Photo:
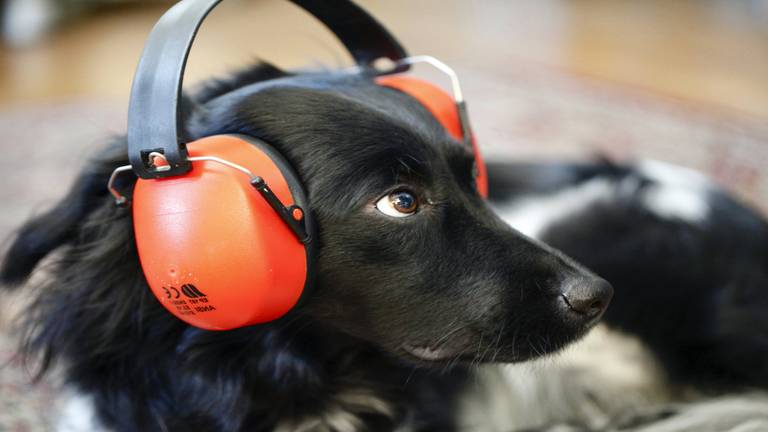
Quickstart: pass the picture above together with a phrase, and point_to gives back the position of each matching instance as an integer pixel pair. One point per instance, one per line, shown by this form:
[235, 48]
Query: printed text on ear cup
[195, 302]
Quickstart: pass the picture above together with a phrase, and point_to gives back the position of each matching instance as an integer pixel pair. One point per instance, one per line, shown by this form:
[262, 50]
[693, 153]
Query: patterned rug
[530, 113]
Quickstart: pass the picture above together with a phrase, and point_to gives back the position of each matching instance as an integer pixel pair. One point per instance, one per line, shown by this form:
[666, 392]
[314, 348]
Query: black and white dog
[420, 285]
[689, 320]
[691, 263]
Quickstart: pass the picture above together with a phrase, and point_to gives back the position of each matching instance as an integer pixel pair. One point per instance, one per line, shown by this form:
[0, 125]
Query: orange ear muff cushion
[443, 107]
[214, 253]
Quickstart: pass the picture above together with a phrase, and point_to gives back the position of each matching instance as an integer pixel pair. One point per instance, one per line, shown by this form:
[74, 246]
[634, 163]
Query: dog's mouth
[427, 353]
[456, 347]
[474, 346]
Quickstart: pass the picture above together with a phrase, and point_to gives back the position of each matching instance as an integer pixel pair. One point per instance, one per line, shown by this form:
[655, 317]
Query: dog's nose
[588, 296]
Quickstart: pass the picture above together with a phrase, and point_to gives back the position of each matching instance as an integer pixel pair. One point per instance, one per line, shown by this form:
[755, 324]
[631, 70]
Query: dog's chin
[455, 355]
[440, 350]
[430, 354]
[471, 348]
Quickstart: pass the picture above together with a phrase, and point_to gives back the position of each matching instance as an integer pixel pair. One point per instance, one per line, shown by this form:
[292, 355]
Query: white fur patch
[679, 193]
[342, 413]
[591, 382]
[78, 414]
[675, 193]
[531, 215]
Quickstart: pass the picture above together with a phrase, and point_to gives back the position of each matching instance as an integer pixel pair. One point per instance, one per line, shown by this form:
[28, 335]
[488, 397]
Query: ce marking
[168, 292]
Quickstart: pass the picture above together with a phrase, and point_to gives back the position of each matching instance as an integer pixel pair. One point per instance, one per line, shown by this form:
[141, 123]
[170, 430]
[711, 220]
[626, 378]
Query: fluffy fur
[690, 263]
[690, 267]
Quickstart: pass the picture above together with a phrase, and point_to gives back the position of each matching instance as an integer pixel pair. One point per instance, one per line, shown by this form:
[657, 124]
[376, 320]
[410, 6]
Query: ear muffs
[214, 251]
[443, 107]
[220, 247]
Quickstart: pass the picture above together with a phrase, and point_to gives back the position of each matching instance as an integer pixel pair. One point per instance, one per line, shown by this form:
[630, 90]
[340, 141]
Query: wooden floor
[712, 52]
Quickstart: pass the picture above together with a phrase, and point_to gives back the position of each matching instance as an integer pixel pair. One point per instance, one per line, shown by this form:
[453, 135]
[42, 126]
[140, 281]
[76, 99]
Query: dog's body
[682, 250]
[403, 308]
[690, 268]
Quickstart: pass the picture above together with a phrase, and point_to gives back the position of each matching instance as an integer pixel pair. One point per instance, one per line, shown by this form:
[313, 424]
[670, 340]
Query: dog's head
[411, 258]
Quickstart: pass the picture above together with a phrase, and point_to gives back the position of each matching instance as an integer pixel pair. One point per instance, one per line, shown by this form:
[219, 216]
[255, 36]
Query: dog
[684, 345]
[409, 322]
[417, 279]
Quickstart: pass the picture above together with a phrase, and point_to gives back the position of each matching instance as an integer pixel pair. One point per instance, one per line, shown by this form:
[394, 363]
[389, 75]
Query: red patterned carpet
[526, 113]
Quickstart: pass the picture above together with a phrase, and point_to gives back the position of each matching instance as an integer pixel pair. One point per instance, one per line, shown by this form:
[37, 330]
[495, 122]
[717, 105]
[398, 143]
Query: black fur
[452, 276]
[696, 293]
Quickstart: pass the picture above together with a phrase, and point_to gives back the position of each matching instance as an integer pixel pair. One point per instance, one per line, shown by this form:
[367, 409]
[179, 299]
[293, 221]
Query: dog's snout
[588, 296]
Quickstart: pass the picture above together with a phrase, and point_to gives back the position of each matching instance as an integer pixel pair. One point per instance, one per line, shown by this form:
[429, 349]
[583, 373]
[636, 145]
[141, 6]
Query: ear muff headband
[154, 120]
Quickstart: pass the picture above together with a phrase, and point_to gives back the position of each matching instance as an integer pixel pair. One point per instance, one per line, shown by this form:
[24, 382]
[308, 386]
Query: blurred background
[685, 81]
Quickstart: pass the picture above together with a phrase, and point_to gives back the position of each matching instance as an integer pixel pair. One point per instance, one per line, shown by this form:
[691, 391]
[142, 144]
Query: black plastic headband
[154, 121]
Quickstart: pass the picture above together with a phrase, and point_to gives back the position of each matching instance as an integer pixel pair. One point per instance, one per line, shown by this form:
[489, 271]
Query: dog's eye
[398, 204]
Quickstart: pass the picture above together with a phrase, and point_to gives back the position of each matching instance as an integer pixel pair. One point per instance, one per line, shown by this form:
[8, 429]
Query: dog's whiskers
[497, 344]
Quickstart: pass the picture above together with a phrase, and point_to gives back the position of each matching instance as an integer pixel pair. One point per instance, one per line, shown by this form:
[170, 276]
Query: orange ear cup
[214, 253]
[443, 107]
